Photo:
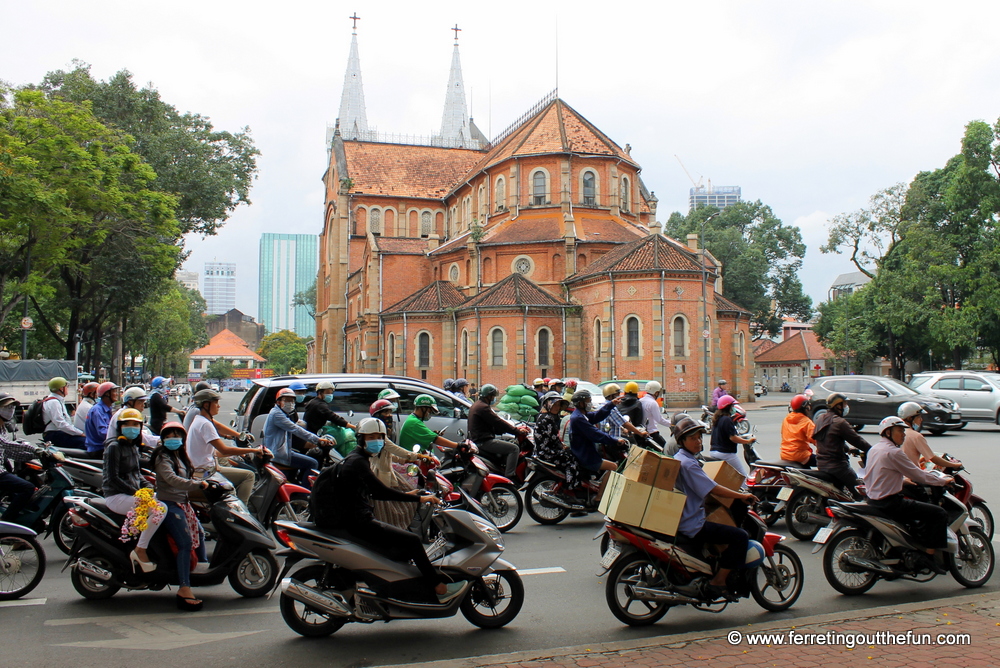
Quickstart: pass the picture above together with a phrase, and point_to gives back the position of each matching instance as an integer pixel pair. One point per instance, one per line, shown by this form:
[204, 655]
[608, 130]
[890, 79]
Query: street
[564, 600]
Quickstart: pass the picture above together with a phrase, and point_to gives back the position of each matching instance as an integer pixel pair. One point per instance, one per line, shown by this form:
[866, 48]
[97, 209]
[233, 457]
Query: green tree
[284, 351]
[219, 370]
[276, 340]
[307, 299]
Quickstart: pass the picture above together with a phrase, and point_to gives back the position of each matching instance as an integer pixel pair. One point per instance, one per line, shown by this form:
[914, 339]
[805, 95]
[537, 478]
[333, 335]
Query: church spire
[352, 119]
[455, 120]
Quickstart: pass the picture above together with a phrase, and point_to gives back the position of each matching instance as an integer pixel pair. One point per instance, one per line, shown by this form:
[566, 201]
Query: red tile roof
[437, 296]
[723, 304]
[227, 344]
[515, 290]
[401, 245]
[608, 230]
[400, 170]
[801, 347]
[654, 252]
[762, 346]
[537, 227]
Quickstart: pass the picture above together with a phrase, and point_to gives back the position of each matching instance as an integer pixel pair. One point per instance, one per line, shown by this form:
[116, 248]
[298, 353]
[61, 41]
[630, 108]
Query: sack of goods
[519, 402]
[346, 440]
[642, 492]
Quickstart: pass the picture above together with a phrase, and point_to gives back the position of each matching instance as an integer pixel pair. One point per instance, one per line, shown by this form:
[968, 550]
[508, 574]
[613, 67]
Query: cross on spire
[355, 19]
[457, 30]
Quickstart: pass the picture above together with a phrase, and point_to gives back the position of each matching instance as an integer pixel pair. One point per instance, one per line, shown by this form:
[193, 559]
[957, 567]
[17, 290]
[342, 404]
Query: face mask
[427, 416]
[287, 406]
[299, 398]
[7, 413]
[173, 443]
[395, 407]
[328, 398]
[131, 433]
[374, 447]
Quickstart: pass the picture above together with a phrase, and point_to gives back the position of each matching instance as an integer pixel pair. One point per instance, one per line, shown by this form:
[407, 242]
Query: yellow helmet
[631, 387]
[130, 414]
[611, 388]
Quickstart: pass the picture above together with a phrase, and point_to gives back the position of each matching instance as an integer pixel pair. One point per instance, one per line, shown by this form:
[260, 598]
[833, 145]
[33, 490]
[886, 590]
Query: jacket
[173, 480]
[584, 436]
[485, 424]
[343, 493]
[278, 431]
[796, 435]
[832, 433]
[383, 461]
[122, 474]
[318, 413]
[98, 420]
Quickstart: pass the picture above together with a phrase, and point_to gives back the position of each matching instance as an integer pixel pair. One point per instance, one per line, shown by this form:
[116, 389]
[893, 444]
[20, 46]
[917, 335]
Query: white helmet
[888, 423]
[908, 409]
[652, 387]
[371, 426]
[133, 393]
[324, 385]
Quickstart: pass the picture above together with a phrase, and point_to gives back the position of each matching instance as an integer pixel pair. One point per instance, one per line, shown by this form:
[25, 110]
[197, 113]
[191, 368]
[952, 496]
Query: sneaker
[453, 590]
[714, 591]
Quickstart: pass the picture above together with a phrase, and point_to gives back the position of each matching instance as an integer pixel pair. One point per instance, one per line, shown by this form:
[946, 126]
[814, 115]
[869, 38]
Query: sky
[809, 107]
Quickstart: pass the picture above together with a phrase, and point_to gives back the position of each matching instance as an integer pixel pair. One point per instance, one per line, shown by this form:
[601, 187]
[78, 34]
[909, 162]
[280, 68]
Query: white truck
[28, 380]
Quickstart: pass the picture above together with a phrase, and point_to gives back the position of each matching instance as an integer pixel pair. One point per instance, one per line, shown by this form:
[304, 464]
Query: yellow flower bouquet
[146, 507]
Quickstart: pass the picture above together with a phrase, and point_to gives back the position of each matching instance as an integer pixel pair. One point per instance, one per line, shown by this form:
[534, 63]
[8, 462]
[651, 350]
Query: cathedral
[533, 254]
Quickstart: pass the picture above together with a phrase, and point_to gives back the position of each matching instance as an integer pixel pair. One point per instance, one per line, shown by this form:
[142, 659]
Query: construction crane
[700, 177]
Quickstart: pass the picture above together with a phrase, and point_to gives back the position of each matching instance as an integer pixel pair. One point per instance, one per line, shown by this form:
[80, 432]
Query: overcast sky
[809, 107]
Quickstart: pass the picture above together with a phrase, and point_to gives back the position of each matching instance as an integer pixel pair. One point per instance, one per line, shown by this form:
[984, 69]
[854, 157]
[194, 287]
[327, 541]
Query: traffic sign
[27, 323]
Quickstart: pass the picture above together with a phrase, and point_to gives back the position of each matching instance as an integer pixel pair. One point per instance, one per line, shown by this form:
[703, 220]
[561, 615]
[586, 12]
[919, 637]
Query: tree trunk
[956, 358]
[893, 366]
[117, 358]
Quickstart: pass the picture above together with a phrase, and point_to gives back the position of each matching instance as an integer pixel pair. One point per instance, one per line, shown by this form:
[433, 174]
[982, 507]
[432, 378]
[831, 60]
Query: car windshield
[917, 381]
[896, 387]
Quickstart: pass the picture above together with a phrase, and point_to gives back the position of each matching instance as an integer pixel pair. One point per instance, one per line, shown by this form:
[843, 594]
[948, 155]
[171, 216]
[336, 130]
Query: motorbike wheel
[973, 566]
[743, 427]
[784, 578]
[300, 617]
[802, 502]
[846, 579]
[538, 512]
[506, 590]
[980, 513]
[635, 570]
[504, 506]
[63, 531]
[300, 506]
[22, 565]
[773, 515]
[255, 575]
[90, 588]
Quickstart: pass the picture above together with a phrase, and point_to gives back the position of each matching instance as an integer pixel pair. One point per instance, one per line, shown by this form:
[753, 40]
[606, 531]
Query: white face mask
[7, 412]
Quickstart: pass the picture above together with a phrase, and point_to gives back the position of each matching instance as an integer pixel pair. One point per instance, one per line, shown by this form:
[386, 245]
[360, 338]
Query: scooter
[739, 416]
[345, 580]
[497, 494]
[962, 489]
[807, 498]
[100, 560]
[274, 498]
[22, 561]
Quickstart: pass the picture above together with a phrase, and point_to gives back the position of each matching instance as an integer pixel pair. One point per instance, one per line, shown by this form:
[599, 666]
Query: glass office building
[220, 287]
[288, 264]
[717, 196]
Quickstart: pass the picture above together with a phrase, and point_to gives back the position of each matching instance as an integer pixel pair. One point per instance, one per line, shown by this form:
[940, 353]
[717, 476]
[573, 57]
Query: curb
[694, 636]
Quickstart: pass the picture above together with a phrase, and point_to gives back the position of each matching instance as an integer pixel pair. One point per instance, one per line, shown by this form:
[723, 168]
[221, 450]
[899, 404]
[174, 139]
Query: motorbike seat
[101, 505]
[824, 476]
[343, 534]
[782, 463]
[73, 453]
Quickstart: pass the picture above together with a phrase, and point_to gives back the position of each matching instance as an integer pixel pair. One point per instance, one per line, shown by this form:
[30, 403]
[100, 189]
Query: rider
[133, 397]
[159, 405]
[724, 435]
[319, 411]
[123, 478]
[887, 467]
[342, 499]
[279, 430]
[88, 397]
[415, 432]
[485, 425]
[652, 414]
[391, 512]
[100, 417]
[832, 434]
[797, 442]
[718, 393]
[694, 483]
[17, 490]
[631, 405]
[461, 388]
[383, 409]
[915, 446]
[539, 387]
[615, 423]
[556, 385]
[549, 446]
[59, 429]
[204, 442]
[584, 436]
[392, 395]
[193, 411]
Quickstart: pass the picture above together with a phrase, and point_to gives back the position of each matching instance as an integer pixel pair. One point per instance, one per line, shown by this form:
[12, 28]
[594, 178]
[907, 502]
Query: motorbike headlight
[490, 531]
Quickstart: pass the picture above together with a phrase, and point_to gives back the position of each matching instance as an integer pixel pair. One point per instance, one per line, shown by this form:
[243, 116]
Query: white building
[220, 287]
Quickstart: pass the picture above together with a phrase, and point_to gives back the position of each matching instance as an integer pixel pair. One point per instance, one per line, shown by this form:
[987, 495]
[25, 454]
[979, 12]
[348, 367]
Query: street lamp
[706, 325]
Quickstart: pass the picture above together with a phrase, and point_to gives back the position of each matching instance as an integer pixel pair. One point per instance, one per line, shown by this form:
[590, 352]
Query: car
[977, 393]
[353, 394]
[872, 398]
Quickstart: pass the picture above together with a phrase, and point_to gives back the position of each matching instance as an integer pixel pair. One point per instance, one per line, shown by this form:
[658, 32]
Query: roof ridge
[605, 139]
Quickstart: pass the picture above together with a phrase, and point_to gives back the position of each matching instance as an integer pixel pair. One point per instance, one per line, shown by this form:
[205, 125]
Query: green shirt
[415, 432]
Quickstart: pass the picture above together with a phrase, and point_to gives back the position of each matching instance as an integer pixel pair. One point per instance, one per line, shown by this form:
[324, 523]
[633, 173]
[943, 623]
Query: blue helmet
[297, 386]
[158, 381]
[755, 555]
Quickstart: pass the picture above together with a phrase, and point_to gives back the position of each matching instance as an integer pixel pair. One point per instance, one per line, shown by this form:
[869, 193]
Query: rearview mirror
[458, 413]
[416, 448]
[883, 393]
[350, 413]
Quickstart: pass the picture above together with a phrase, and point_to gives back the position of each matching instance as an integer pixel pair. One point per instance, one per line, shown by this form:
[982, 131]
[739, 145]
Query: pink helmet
[725, 401]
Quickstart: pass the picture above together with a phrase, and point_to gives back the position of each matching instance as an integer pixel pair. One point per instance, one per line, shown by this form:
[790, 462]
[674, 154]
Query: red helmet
[104, 388]
[725, 401]
[546, 380]
[173, 425]
[798, 401]
[379, 406]
[570, 384]
[89, 388]
[285, 392]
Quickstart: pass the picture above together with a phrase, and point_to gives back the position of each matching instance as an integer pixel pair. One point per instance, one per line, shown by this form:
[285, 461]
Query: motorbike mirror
[350, 413]
[412, 470]
[416, 448]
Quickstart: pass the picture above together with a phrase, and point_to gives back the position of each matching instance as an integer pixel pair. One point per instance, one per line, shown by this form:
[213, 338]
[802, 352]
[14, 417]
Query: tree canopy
[285, 351]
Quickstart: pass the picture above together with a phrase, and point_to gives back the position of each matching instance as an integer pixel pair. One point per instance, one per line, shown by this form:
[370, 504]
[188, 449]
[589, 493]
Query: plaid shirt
[18, 451]
[614, 424]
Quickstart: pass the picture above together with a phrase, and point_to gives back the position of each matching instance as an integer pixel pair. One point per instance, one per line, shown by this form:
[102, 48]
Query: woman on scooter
[392, 512]
[725, 437]
[797, 442]
[548, 445]
[173, 482]
[123, 478]
[696, 485]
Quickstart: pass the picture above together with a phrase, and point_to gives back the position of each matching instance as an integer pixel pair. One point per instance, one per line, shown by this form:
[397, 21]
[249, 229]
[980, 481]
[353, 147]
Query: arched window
[390, 348]
[465, 348]
[425, 224]
[467, 213]
[501, 194]
[625, 204]
[598, 338]
[484, 206]
[544, 337]
[423, 349]
[538, 189]
[375, 221]
[589, 189]
[496, 347]
[741, 347]
[680, 336]
[632, 336]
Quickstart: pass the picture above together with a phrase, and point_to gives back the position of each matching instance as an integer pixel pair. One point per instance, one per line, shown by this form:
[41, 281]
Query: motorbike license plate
[784, 493]
[822, 535]
[956, 417]
[610, 555]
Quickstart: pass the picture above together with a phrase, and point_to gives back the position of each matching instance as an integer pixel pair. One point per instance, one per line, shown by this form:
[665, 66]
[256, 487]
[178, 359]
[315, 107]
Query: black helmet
[835, 399]
[202, 385]
[549, 397]
[687, 425]
[676, 420]
[581, 396]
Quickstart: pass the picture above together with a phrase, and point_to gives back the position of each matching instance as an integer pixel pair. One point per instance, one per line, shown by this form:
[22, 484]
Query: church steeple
[352, 119]
[455, 120]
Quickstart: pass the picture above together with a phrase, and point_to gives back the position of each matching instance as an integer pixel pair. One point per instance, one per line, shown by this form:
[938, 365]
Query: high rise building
[718, 196]
[189, 279]
[288, 264]
[220, 287]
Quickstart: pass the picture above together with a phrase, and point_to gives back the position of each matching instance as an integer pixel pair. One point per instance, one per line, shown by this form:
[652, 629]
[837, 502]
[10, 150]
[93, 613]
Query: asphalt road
[564, 604]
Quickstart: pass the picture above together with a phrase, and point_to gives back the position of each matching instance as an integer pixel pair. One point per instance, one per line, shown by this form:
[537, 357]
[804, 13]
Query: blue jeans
[61, 439]
[19, 493]
[304, 464]
[176, 523]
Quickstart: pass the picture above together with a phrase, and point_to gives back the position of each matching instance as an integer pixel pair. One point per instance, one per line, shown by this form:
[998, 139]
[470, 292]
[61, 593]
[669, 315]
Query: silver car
[977, 393]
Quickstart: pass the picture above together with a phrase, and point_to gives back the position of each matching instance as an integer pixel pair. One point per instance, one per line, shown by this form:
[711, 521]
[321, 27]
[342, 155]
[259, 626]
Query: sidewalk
[977, 615]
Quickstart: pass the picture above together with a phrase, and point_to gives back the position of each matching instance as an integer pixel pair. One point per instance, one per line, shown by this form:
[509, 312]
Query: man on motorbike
[414, 430]
[159, 405]
[461, 388]
[342, 499]
[203, 442]
[832, 434]
[278, 432]
[133, 397]
[549, 446]
[100, 417]
[225, 431]
[725, 438]
[88, 397]
[319, 412]
[652, 414]
[887, 468]
[485, 426]
[556, 385]
[695, 484]
[631, 405]
[539, 387]
[616, 423]
[17, 490]
[719, 392]
[59, 429]
[915, 446]
[585, 437]
[797, 440]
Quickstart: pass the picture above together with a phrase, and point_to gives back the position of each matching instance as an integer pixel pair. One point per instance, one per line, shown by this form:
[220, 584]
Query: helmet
[202, 385]
[556, 381]
[6, 399]
[687, 425]
[722, 381]
[387, 393]
[798, 401]
[549, 397]
[57, 383]
[133, 393]
[755, 555]
[538, 381]
[909, 408]
[652, 387]
[449, 384]
[371, 426]
[888, 423]
[425, 400]
[631, 387]
[156, 382]
[571, 384]
[726, 401]
[104, 388]
[285, 392]
[89, 389]
[547, 381]
[173, 425]
[460, 383]
[580, 396]
[297, 386]
[487, 390]
[379, 406]
[324, 385]
[610, 388]
[203, 396]
[130, 414]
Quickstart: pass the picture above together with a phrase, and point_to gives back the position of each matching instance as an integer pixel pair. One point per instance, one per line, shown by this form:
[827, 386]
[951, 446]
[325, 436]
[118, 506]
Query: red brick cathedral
[535, 254]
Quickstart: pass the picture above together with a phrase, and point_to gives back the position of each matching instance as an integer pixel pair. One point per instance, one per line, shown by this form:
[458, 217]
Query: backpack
[323, 509]
[33, 421]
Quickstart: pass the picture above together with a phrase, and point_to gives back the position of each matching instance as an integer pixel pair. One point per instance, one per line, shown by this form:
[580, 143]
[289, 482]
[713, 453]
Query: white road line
[24, 601]
[540, 571]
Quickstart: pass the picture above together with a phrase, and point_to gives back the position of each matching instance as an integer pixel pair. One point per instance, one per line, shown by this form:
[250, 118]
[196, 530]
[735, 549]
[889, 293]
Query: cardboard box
[614, 480]
[666, 474]
[641, 465]
[723, 473]
[663, 511]
[627, 500]
[720, 516]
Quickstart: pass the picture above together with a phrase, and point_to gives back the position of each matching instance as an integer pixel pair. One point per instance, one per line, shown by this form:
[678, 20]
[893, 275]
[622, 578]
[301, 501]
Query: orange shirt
[796, 436]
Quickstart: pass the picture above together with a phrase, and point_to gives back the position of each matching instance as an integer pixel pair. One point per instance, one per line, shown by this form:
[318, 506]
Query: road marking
[540, 571]
[23, 601]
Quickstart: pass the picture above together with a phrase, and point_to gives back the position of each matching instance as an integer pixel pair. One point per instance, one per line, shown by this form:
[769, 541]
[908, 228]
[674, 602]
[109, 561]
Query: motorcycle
[766, 481]
[807, 498]
[864, 545]
[525, 441]
[975, 503]
[22, 561]
[347, 581]
[274, 498]
[739, 416]
[497, 494]
[650, 573]
[550, 500]
[100, 560]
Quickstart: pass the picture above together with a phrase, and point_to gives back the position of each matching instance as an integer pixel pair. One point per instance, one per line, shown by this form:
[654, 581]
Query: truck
[27, 380]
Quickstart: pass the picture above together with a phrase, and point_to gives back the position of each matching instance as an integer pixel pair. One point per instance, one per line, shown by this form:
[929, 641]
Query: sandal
[189, 604]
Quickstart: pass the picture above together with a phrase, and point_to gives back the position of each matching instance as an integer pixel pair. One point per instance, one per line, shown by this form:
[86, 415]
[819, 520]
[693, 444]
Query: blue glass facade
[288, 264]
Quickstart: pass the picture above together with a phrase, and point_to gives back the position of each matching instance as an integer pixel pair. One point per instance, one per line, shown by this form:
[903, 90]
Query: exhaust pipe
[332, 604]
[659, 595]
[93, 570]
[550, 500]
[868, 565]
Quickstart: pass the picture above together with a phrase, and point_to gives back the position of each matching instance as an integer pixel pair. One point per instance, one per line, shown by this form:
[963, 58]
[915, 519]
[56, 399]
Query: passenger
[59, 429]
[99, 417]
[797, 442]
[725, 437]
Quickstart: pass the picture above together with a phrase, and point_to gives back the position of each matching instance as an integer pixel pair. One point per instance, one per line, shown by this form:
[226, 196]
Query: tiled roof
[452, 244]
[654, 252]
[608, 229]
[401, 245]
[515, 290]
[400, 170]
[723, 304]
[227, 344]
[528, 227]
[802, 347]
[762, 346]
[437, 296]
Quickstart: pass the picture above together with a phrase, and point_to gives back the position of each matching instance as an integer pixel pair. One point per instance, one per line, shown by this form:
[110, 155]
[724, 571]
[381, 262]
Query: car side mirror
[457, 412]
[350, 413]
[883, 393]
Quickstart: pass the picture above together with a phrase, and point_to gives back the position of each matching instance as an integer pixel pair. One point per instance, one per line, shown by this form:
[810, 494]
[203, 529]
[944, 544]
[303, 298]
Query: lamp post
[706, 324]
